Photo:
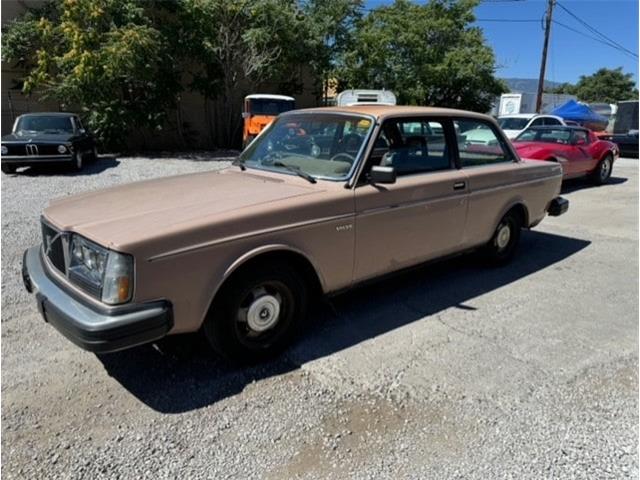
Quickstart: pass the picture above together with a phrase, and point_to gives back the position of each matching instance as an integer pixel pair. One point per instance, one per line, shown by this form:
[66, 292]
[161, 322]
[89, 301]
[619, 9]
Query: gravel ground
[452, 371]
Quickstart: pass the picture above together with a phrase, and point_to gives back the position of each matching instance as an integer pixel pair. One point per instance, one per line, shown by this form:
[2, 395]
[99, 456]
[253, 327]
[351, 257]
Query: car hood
[511, 134]
[124, 216]
[38, 137]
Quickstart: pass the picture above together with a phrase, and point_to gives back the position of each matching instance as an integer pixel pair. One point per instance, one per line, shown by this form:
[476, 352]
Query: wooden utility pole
[543, 64]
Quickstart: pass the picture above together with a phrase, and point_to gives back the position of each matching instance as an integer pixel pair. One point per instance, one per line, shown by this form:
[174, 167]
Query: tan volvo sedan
[322, 200]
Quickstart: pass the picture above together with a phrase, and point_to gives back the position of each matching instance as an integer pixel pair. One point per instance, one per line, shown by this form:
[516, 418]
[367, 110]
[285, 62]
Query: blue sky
[518, 45]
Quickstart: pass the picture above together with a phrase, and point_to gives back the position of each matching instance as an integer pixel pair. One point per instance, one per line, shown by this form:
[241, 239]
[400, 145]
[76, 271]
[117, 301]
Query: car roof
[380, 111]
[268, 96]
[558, 127]
[528, 115]
[48, 114]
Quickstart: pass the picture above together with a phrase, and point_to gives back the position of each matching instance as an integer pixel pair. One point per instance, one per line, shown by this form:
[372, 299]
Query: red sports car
[578, 150]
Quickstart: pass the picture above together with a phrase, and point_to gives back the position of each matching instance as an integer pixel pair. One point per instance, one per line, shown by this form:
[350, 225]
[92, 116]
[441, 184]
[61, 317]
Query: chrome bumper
[97, 329]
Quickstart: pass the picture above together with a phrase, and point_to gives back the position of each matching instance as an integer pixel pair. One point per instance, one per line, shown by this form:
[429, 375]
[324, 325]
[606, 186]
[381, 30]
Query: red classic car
[578, 150]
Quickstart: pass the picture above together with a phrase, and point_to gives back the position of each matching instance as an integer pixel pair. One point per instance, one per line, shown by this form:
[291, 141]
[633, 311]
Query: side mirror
[382, 174]
[580, 141]
[82, 131]
[245, 114]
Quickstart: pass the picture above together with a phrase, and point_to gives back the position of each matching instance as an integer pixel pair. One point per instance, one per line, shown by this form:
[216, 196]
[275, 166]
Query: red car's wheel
[602, 173]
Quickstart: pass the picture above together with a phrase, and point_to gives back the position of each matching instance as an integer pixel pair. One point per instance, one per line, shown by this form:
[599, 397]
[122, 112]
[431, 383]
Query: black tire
[8, 169]
[249, 297]
[602, 173]
[77, 162]
[503, 244]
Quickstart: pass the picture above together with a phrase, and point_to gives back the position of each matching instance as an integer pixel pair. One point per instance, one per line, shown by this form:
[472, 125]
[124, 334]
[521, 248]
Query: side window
[537, 122]
[478, 144]
[580, 137]
[78, 123]
[551, 121]
[415, 146]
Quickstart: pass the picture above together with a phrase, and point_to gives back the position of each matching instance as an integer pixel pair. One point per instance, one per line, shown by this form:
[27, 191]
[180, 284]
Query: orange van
[259, 111]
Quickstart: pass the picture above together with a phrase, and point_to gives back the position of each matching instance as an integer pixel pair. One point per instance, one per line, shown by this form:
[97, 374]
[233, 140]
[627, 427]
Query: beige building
[191, 112]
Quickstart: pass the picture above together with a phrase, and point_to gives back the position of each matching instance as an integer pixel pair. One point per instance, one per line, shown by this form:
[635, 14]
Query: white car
[514, 125]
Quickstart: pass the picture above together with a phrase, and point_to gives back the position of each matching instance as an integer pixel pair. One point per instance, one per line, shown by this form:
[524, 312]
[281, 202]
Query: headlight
[62, 148]
[5, 150]
[106, 274]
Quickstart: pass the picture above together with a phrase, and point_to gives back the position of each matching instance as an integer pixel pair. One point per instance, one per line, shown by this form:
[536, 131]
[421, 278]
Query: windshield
[323, 145]
[512, 123]
[266, 106]
[44, 124]
[547, 135]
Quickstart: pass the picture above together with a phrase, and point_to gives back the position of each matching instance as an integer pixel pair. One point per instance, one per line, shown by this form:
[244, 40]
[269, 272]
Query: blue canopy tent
[582, 114]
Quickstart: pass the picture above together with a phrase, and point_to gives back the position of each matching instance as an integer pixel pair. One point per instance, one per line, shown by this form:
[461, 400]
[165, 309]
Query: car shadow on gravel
[181, 374]
[575, 184]
[104, 162]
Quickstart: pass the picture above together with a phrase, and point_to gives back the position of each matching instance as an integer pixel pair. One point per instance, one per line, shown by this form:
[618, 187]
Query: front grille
[52, 242]
[33, 149]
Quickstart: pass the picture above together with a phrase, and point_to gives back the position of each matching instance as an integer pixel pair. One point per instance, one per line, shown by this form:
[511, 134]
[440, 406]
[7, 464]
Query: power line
[508, 20]
[596, 31]
[594, 38]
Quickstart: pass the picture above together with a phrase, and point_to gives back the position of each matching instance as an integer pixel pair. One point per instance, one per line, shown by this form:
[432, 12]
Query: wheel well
[522, 212]
[298, 261]
[552, 159]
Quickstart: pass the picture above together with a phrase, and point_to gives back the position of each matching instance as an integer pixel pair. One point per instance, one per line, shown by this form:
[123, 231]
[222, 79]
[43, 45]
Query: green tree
[233, 48]
[428, 54]
[606, 85]
[102, 56]
[330, 28]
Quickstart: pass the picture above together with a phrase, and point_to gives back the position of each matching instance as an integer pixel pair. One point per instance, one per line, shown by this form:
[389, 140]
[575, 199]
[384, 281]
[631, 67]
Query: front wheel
[502, 246]
[77, 162]
[257, 313]
[602, 173]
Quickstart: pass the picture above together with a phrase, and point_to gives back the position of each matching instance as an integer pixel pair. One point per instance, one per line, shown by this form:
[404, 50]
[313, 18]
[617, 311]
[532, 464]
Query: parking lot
[450, 371]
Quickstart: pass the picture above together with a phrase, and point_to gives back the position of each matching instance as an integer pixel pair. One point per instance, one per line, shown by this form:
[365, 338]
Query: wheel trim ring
[604, 169]
[261, 340]
[503, 236]
[263, 314]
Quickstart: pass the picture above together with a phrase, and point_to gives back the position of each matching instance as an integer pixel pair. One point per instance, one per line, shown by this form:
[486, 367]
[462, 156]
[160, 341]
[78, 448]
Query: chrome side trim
[255, 233]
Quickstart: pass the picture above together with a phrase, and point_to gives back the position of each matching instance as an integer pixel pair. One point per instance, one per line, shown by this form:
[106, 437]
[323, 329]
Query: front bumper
[558, 206]
[98, 329]
[34, 159]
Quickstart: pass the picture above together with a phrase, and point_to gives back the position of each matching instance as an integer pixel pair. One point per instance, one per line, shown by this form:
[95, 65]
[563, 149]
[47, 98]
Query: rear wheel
[8, 168]
[257, 313]
[502, 246]
[602, 173]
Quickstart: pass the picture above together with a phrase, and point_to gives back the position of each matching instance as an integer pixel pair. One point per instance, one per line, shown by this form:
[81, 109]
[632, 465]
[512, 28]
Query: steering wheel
[339, 156]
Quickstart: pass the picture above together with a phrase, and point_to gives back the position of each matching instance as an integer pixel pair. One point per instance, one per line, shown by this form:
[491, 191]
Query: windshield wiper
[297, 170]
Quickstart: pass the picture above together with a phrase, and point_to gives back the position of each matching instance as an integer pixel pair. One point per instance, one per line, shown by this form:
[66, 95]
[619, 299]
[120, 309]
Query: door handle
[459, 185]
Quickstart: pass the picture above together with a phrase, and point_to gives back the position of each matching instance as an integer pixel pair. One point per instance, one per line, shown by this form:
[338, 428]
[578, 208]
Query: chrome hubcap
[263, 312]
[503, 236]
[604, 169]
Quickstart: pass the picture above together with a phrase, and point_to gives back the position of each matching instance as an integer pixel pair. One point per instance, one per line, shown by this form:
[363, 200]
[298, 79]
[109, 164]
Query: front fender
[255, 252]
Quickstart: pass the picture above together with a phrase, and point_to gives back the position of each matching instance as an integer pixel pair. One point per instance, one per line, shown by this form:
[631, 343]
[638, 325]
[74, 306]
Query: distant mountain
[527, 85]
